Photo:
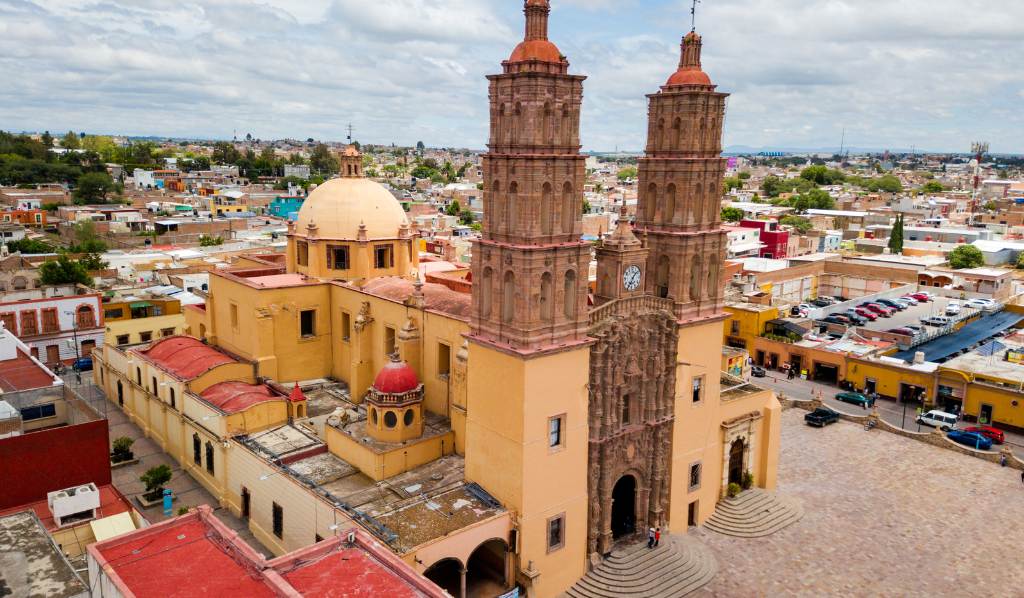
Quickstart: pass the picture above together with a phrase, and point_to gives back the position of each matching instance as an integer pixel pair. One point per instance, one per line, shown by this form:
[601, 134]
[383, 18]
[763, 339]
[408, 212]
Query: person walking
[657, 536]
[650, 537]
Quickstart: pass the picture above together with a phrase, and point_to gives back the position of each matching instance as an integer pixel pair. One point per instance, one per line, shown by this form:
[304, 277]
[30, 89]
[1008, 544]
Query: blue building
[286, 206]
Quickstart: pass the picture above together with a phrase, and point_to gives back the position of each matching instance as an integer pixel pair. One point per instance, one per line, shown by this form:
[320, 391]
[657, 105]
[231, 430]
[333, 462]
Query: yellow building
[746, 322]
[140, 318]
[505, 436]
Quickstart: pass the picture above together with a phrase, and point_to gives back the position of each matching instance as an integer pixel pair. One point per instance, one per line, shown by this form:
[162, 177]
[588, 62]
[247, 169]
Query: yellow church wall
[383, 465]
[258, 417]
[511, 401]
[134, 328]
[459, 545]
[228, 372]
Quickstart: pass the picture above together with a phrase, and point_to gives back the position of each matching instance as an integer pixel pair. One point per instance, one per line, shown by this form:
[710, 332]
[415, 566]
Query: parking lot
[884, 516]
[910, 316]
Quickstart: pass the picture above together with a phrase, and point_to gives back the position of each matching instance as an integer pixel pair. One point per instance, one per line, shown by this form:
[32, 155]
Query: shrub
[183, 511]
[748, 480]
[154, 479]
[733, 490]
[122, 450]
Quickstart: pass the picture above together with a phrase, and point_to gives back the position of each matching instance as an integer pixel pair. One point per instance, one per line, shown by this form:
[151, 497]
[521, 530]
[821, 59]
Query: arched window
[570, 294]
[669, 214]
[698, 202]
[568, 208]
[661, 134]
[486, 290]
[650, 202]
[712, 290]
[508, 298]
[197, 450]
[566, 128]
[695, 278]
[546, 207]
[512, 212]
[86, 317]
[546, 313]
[661, 277]
[494, 206]
[549, 124]
[677, 134]
[209, 457]
[516, 122]
[138, 376]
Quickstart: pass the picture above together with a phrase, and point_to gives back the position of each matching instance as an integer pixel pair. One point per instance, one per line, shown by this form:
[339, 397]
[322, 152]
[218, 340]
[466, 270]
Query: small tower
[351, 162]
[621, 263]
[296, 403]
[394, 404]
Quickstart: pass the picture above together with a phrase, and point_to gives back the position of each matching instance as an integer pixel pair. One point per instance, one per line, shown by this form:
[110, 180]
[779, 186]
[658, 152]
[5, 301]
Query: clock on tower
[631, 278]
[620, 264]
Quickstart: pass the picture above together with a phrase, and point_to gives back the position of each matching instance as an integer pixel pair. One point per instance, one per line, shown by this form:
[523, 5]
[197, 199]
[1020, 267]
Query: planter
[145, 503]
[123, 463]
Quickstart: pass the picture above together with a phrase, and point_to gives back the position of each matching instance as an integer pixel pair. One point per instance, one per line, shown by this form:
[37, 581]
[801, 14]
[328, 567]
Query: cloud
[931, 73]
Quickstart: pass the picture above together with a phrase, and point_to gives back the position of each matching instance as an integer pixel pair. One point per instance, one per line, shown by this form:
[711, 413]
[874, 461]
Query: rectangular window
[555, 436]
[29, 323]
[307, 323]
[209, 457]
[625, 409]
[694, 476]
[337, 257]
[38, 412]
[122, 339]
[735, 327]
[167, 332]
[234, 316]
[10, 322]
[174, 400]
[556, 532]
[113, 314]
[698, 389]
[278, 513]
[444, 360]
[389, 340]
[156, 388]
[346, 326]
[145, 337]
[302, 253]
[383, 257]
[50, 323]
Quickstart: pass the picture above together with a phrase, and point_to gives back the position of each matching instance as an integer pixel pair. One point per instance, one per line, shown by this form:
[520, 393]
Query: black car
[854, 317]
[841, 320]
[821, 417]
[757, 371]
[892, 304]
[821, 302]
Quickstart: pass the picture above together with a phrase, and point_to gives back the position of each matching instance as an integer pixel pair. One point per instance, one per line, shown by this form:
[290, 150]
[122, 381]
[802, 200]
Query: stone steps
[754, 514]
[676, 568]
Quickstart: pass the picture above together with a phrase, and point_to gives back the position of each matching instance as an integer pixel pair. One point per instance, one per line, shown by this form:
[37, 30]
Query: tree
[86, 239]
[466, 216]
[933, 187]
[730, 183]
[801, 225]
[889, 183]
[966, 256]
[63, 270]
[1020, 261]
[629, 172]
[896, 237]
[154, 479]
[586, 207]
[991, 206]
[29, 246]
[47, 139]
[815, 199]
[122, 450]
[70, 141]
[420, 147]
[321, 160]
[772, 186]
[93, 187]
[744, 175]
[822, 175]
[92, 262]
[732, 214]
[454, 209]
[206, 241]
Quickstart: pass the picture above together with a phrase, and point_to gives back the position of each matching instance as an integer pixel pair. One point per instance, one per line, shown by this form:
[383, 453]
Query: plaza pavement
[885, 516]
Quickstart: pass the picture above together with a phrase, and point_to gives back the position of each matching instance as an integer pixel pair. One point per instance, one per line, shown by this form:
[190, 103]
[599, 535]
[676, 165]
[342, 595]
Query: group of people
[653, 537]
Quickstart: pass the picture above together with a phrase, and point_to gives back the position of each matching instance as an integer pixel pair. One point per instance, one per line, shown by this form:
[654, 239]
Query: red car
[994, 434]
[921, 297]
[881, 310]
[866, 313]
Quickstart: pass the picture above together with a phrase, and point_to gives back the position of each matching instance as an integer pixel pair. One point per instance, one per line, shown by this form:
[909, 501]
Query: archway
[446, 573]
[736, 461]
[485, 569]
[624, 507]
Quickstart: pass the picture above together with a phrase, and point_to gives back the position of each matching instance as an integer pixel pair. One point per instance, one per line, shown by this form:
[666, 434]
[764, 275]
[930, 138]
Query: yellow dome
[339, 206]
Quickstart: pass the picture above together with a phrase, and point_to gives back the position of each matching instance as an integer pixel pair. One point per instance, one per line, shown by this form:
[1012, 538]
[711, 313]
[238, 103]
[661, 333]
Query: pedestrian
[1022, 477]
[657, 536]
[1002, 462]
[650, 534]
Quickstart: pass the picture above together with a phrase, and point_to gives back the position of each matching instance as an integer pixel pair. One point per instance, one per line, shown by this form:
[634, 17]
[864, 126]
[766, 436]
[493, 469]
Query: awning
[140, 304]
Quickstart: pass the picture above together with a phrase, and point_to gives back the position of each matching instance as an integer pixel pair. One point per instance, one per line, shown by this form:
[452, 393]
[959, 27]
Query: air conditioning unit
[73, 505]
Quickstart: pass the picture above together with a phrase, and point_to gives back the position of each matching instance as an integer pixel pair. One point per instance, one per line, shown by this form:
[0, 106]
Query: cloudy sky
[935, 74]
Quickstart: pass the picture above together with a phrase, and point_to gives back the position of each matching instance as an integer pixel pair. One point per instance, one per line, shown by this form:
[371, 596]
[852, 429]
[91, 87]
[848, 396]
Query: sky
[930, 74]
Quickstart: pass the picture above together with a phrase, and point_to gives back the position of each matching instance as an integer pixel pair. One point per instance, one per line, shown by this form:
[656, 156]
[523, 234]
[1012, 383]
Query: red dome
[536, 49]
[396, 378]
[689, 76]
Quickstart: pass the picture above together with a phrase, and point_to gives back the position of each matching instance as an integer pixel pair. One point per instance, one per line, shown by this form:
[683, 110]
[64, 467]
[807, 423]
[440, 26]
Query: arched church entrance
[736, 461]
[485, 570]
[446, 573]
[624, 507]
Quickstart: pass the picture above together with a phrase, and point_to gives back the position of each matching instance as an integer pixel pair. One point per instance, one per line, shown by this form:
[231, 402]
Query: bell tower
[527, 411]
[621, 262]
[680, 183]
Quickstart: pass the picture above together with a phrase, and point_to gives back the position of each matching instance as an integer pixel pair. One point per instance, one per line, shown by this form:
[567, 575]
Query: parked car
[892, 304]
[884, 311]
[916, 329]
[757, 371]
[855, 318]
[836, 319]
[903, 301]
[923, 297]
[938, 419]
[994, 434]
[82, 364]
[952, 308]
[866, 313]
[939, 321]
[823, 301]
[971, 439]
[910, 299]
[854, 398]
[821, 417]
[981, 303]
[903, 331]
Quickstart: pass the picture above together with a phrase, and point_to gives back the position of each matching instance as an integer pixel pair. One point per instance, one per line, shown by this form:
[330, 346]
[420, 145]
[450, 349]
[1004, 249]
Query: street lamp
[74, 330]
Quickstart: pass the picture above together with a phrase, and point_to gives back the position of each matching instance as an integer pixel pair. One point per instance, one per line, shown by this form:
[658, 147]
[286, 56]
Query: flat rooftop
[31, 565]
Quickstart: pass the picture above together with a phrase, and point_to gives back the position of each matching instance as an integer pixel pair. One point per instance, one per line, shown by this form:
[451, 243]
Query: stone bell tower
[680, 189]
[621, 262]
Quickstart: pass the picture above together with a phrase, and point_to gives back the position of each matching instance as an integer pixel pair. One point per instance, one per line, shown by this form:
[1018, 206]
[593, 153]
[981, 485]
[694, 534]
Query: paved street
[932, 522]
[891, 411]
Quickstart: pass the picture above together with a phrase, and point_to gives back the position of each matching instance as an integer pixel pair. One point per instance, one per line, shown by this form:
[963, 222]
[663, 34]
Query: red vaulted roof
[438, 297]
[397, 377]
[184, 356]
[232, 397]
[689, 76]
[536, 49]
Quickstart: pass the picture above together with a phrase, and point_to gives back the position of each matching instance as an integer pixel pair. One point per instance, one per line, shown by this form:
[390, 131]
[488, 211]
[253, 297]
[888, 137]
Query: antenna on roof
[693, 15]
[350, 133]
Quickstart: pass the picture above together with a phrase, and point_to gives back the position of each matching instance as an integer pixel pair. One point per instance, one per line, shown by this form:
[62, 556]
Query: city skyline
[408, 70]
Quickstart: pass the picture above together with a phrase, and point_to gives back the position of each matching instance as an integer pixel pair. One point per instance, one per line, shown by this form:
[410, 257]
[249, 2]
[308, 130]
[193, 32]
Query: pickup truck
[821, 417]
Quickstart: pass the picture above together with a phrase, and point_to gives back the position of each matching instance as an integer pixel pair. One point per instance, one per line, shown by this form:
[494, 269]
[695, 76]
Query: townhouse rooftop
[31, 564]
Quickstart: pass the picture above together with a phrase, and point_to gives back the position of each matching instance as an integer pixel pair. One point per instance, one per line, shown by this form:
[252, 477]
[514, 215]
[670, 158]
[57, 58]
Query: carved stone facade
[632, 410]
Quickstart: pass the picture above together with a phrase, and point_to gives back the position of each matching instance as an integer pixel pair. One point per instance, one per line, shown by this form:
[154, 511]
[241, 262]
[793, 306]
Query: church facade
[576, 413]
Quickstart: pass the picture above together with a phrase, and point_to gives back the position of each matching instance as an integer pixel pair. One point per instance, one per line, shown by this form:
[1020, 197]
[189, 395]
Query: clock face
[631, 278]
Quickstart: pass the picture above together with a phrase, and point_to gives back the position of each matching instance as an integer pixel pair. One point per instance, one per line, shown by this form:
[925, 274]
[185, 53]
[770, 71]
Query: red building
[35, 218]
[775, 241]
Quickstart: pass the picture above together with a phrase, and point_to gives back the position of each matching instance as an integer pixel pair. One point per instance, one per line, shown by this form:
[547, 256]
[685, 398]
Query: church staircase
[754, 513]
[676, 568]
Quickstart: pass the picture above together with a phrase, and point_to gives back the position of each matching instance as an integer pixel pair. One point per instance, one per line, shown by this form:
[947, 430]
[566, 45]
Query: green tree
[730, 183]
[466, 216]
[966, 256]
[896, 237]
[93, 187]
[155, 478]
[86, 239]
[70, 141]
[629, 172]
[63, 270]
[207, 241]
[732, 214]
[29, 246]
[801, 225]
[322, 160]
[586, 207]
[1020, 261]
[772, 186]
[420, 147]
[822, 175]
[933, 187]
[454, 209]
[889, 183]
[991, 206]
[815, 199]
[92, 262]
[47, 139]
[744, 175]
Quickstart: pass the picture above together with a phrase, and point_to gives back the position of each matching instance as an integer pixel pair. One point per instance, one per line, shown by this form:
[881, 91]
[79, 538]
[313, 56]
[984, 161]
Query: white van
[938, 419]
[939, 321]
